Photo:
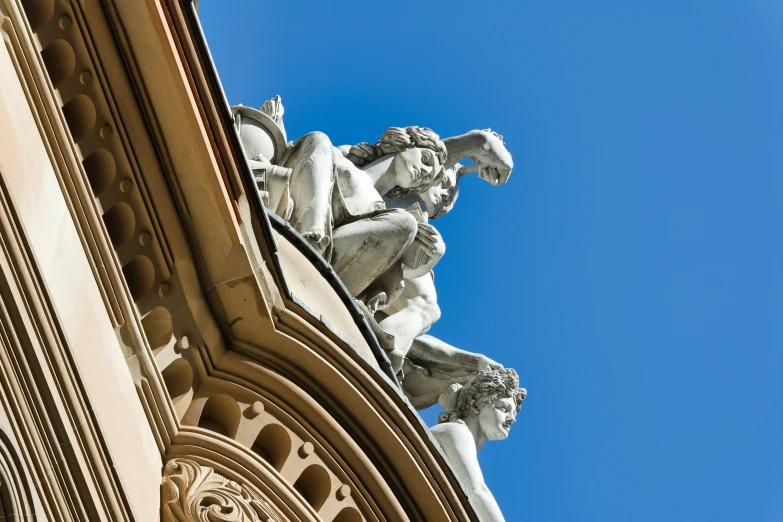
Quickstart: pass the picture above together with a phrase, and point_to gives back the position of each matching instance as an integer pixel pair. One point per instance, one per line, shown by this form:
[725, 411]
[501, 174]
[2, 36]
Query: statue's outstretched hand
[485, 364]
[493, 160]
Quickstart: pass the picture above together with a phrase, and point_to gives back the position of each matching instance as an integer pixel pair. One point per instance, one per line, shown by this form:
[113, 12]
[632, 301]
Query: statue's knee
[317, 140]
[312, 154]
[403, 223]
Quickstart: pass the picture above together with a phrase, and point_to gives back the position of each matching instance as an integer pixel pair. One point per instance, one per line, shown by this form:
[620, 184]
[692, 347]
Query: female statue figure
[482, 410]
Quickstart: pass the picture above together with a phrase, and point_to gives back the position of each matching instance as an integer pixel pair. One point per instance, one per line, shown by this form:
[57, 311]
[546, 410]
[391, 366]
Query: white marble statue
[416, 309]
[335, 201]
[482, 410]
[366, 209]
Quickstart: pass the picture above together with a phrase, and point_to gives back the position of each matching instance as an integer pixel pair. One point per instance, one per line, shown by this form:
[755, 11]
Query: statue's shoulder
[452, 434]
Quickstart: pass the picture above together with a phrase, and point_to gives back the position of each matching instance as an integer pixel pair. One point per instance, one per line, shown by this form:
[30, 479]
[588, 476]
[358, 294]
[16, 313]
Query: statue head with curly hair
[488, 403]
[419, 149]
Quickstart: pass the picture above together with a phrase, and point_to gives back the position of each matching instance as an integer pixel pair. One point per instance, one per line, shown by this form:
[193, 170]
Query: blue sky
[631, 270]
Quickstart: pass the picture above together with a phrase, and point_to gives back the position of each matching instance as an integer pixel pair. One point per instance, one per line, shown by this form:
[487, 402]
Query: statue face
[497, 417]
[415, 167]
[439, 196]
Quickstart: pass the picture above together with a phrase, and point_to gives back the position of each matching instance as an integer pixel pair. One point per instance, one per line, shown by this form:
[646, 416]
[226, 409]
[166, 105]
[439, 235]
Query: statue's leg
[366, 248]
[312, 159]
[412, 314]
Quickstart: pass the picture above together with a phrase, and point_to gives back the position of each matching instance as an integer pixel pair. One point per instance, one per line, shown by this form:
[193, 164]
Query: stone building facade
[168, 350]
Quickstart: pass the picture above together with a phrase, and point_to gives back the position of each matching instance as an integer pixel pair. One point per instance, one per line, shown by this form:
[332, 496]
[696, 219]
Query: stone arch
[178, 377]
[101, 170]
[348, 514]
[221, 414]
[242, 467]
[140, 275]
[273, 444]
[191, 491]
[314, 485]
[158, 328]
[38, 12]
[15, 493]
[120, 223]
[60, 61]
[80, 115]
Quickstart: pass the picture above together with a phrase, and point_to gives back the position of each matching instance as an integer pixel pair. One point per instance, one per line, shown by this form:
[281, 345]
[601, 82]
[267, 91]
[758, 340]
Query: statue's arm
[433, 365]
[460, 448]
[429, 349]
[487, 149]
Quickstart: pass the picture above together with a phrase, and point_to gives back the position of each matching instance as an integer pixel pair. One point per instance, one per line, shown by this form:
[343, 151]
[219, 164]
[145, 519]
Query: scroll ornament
[194, 493]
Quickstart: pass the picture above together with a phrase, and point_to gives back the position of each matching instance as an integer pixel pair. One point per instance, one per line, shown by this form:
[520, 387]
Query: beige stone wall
[30, 174]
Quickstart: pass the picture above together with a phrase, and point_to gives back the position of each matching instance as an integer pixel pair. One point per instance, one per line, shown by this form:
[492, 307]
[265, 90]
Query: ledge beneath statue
[313, 285]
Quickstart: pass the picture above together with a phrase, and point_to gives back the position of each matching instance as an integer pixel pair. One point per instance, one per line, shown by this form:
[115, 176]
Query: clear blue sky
[631, 270]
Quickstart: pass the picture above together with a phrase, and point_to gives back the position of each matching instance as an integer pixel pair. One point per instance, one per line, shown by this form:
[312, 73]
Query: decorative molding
[194, 493]
[16, 497]
[66, 454]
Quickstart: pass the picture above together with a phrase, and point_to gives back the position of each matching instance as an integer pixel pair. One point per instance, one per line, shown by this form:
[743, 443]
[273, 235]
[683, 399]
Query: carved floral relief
[194, 493]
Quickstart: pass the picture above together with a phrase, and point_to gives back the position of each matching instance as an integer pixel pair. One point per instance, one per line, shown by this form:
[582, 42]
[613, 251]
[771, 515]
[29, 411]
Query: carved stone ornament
[194, 493]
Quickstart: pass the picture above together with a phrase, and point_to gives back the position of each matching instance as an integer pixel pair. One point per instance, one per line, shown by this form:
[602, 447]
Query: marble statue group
[367, 209]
